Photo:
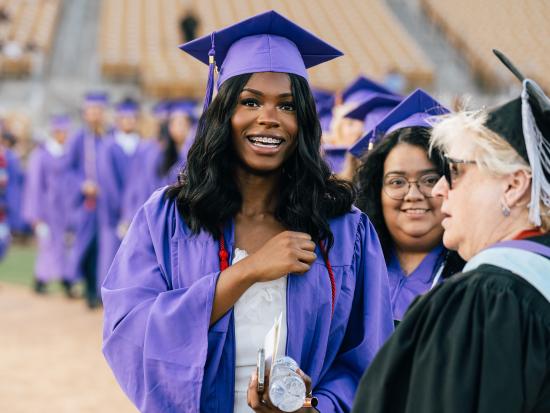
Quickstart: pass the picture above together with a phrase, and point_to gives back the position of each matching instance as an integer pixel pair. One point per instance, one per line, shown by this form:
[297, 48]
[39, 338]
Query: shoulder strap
[532, 267]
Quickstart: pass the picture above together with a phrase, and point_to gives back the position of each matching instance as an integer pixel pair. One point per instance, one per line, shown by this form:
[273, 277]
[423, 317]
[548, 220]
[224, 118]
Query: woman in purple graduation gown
[159, 162]
[45, 207]
[182, 325]
[395, 183]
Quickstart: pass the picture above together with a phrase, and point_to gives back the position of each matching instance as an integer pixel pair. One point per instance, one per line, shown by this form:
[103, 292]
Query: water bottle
[287, 390]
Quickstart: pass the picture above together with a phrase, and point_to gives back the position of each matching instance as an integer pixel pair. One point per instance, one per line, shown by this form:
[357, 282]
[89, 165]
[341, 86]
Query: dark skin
[265, 111]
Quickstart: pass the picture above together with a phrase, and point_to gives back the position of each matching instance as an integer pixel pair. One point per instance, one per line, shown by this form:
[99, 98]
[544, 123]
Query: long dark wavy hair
[170, 153]
[369, 179]
[207, 194]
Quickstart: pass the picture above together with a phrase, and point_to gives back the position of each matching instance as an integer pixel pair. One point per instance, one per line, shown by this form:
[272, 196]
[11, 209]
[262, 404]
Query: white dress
[254, 313]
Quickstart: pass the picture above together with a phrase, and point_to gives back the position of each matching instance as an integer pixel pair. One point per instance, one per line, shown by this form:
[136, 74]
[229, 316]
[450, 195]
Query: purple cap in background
[362, 89]
[414, 110]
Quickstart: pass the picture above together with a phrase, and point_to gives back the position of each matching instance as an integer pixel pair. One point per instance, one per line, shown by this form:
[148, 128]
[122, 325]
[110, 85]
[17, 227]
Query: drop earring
[504, 208]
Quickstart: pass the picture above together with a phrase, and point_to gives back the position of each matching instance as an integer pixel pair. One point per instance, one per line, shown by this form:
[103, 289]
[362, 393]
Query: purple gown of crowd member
[159, 293]
[15, 185]
[10, 190]
[90, 162]
[45, 205]
[357, 95]
[115, 157]
[150, 157]
[405, 288]
[412, 111]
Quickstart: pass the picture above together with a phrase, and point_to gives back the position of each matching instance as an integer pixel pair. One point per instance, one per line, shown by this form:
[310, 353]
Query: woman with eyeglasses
[395, 189]
[480, 342]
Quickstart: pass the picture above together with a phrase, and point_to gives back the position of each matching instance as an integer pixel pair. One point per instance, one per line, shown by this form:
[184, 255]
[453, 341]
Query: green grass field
[18, 265]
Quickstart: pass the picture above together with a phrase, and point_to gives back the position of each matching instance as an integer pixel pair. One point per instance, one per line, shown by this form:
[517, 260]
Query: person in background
[87, 170]
[159, 163]
[395, 182]
[371, 111]
[182, 326]
[189, 24]
[324, 102]
[479, 341]
[10, 190]
[161, 113]
[344, 130]
[116, 156]
[45, 207]
[15, 182]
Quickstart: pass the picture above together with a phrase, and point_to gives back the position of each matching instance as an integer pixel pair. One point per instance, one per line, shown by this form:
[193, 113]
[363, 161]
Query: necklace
[224, 264]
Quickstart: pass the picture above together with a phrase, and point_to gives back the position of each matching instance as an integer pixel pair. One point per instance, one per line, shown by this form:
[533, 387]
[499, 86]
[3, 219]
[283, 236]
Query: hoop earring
[504, 208]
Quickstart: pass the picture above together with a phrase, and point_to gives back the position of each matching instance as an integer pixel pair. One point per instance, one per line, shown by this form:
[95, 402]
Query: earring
[504, 208]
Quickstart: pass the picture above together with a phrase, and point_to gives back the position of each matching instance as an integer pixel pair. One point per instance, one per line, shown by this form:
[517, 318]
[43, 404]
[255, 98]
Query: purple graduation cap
[161, 110]
[96, 98]
[60, 122]
[185, 107]
[373, 109]
[128, 107]
[267, 42]
[363, 88]
[414, 110]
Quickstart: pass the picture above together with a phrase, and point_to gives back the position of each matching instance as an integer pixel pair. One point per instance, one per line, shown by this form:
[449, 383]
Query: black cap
[507, 120]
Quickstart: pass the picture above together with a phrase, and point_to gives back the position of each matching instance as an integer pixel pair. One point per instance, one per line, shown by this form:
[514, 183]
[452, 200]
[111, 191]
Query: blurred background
[53, 51]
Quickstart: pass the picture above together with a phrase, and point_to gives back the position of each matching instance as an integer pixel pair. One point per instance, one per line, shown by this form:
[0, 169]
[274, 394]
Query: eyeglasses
[451, 170]
[397, 187]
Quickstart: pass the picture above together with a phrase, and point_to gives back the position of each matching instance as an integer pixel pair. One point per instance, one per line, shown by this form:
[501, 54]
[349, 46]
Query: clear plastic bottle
[287, 390]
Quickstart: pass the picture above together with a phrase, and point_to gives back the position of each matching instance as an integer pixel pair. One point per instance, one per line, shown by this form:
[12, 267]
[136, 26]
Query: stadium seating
[140, 38]
[27, 29]
[520, 29]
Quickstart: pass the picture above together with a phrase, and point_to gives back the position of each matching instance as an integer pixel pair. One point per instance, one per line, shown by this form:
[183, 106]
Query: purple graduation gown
[158, 299]
[14, 191]
[404, 289]
[335, 156]
[10, 193]
[144, 176]
[45, 201]
[94, 158]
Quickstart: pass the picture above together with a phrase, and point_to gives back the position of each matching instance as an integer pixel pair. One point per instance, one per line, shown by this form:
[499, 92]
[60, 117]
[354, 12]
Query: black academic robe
[479, 342]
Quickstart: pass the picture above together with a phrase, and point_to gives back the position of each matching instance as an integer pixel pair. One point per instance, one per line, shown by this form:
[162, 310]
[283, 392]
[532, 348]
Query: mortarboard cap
[127, 107]
[61, 122]
[185, 107]
[323, 99]
[96, 98]
[361, 89]
[414, 110]
[524, 123]
[267, 42]
[161, 110]
[373, 109]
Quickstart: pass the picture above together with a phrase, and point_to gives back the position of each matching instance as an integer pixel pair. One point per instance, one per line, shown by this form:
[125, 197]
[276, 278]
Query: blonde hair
[490, 152]
[338, 118]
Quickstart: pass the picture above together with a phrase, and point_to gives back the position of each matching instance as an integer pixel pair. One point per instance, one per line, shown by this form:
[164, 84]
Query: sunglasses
[451, 170]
